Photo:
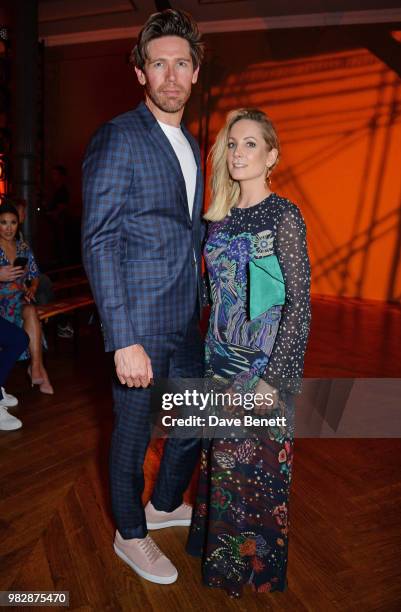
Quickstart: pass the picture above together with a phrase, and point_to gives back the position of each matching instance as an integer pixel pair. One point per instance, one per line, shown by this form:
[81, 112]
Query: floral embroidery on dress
[12, 293]
[240, 525]
[264, 244]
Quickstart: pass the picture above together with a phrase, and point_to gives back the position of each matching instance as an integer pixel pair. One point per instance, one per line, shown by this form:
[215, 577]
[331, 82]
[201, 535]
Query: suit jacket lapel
[198, 188]
[163, 143]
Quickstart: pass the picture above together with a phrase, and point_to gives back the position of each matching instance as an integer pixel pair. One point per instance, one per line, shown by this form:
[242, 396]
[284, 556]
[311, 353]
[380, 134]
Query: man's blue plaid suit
[138, 250]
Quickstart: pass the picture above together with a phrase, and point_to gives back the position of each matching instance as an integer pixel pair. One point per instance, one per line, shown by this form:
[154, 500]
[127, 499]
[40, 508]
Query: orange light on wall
[3, 177]
[337, 116]
[4, 140]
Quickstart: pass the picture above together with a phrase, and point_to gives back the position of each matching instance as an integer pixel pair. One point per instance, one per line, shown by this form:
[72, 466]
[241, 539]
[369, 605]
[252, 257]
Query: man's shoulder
[131, 126]
[130, 120]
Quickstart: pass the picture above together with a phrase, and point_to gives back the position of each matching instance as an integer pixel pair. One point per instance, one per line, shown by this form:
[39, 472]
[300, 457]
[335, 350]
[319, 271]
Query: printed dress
[12, 293]
[240, 524]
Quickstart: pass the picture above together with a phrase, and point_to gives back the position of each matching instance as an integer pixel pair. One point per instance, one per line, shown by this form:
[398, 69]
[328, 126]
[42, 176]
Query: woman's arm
[32, 275]
[30, 291]
[285, 367]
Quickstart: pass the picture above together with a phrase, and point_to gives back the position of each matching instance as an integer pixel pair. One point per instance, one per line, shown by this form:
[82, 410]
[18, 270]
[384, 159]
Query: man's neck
[173, 119]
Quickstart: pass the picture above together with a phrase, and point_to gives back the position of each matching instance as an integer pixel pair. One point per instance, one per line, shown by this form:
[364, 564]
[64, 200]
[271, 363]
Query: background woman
[240, 522]
[18, 285]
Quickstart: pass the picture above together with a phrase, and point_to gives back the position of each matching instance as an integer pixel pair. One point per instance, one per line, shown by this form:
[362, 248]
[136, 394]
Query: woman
[256, 341]
[18, 285]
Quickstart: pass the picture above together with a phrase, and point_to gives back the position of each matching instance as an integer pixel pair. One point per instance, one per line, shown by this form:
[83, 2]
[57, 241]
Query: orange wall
[334, 105]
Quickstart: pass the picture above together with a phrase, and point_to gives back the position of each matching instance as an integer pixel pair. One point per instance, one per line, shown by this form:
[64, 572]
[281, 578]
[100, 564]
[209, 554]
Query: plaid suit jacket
[138, 239]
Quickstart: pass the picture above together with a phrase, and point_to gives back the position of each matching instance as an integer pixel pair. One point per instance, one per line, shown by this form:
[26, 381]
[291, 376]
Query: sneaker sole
[142, 573]
[172, 523]
[13, 428]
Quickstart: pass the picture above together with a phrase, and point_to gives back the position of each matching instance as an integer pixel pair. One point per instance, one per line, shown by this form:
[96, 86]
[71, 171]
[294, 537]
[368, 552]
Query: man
[60, 198]
[141, 248]
[57, 213]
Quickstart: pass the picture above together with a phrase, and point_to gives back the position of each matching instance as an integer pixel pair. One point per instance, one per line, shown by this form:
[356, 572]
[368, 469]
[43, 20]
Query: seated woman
[16, 296]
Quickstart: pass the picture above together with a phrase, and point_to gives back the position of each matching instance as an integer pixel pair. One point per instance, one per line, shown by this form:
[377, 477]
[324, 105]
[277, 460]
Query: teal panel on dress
[267, 287]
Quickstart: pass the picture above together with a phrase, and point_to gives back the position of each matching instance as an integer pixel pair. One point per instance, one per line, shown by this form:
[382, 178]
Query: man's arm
[107, 175]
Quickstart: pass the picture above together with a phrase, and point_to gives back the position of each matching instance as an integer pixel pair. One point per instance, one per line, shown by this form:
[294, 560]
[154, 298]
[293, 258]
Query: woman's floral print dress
[240, 524]
[12, 293]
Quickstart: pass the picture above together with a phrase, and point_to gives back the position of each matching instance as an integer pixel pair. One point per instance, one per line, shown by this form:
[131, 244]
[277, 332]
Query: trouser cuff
[133, 532]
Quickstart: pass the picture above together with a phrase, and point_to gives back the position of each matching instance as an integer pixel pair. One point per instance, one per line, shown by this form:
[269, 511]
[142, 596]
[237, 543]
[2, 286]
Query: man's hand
[10, 273]
[133, 366]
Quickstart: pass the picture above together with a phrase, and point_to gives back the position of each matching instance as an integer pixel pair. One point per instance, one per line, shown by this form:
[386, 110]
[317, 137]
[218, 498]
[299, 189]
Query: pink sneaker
[157, 519]
[146, 559]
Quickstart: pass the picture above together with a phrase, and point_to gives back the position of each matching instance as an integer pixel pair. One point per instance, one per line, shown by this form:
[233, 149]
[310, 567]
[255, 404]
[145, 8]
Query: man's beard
[166, 104]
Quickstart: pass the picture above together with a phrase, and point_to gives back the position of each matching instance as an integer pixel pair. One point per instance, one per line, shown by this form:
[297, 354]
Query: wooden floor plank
[56, 528]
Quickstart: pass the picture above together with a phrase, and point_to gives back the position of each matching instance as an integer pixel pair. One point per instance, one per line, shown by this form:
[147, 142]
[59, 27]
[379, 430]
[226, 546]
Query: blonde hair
[225, 191]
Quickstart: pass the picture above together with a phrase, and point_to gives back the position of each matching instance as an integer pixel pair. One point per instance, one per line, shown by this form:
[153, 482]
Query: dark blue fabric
[13, 342]
[138, 244]
[138, 237]
[174, 356]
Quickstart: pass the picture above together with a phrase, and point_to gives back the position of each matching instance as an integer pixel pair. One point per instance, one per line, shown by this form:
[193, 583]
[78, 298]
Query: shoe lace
[151, 549]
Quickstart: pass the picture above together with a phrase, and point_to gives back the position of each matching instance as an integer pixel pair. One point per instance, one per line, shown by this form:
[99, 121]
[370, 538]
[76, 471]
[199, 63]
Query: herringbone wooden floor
[55, 524]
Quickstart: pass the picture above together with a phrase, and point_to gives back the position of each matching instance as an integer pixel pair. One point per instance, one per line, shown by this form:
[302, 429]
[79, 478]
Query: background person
[16, 297]
[57, 213]
[13, 342]
[44, 293]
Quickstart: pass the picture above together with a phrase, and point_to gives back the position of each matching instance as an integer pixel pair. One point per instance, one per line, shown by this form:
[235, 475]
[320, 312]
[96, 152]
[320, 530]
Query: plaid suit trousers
[173, 355]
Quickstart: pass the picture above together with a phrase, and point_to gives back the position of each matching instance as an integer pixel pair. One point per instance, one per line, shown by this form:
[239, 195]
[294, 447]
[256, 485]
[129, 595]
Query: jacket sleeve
[285, 368]
[107, 176]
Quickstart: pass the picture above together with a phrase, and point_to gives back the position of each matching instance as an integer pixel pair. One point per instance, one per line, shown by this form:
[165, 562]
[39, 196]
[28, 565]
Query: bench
[71, 305]
[63, 272]
[69, 283]
[63, 306]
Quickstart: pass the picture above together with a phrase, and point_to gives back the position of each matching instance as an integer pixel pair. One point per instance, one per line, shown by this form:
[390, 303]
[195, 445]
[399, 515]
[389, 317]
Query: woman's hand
[266, 402]
[10, 273]
[30, 294]
[272, 398]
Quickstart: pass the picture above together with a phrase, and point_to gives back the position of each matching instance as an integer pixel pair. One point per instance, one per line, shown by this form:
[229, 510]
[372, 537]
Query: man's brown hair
[168, 23]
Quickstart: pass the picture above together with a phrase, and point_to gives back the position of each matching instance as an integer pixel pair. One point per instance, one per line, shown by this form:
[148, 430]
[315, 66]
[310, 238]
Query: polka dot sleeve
[285, 368]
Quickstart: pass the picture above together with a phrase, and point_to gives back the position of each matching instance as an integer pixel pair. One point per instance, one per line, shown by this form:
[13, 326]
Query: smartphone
[20, 261]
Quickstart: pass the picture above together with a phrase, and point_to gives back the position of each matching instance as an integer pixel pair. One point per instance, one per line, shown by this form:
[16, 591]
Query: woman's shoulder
[285, 206]
[213, 226]
[288, 212]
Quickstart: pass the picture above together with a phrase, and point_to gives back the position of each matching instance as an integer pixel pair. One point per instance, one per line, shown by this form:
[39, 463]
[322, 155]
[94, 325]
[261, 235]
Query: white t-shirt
[186, 158]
